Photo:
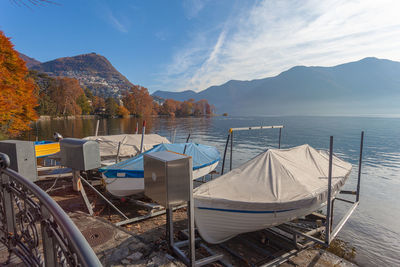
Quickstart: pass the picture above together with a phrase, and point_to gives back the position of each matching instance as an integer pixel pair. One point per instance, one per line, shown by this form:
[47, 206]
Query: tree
[17, 96]
[83, 102]
[123, 112]
[111, 107]
[169, 107]
[65, 94]
[99, 105]
[138, 101]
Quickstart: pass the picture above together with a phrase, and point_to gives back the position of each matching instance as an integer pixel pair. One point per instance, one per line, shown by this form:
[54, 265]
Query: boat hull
[219, 225]
[46, 148]
[123, 187]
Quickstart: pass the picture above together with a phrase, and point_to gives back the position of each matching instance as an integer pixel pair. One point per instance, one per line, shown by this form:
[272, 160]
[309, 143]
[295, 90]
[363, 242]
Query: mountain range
[368, 86]
[92, 70]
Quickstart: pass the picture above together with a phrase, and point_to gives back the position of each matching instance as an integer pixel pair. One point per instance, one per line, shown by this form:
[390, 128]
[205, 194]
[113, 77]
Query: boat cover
[202, 156]
[277, 179]
[130, 143]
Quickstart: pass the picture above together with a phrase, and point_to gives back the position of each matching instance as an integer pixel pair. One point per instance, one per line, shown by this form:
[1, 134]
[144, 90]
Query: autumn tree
[17, 98]
[169, 107]
[99, 105]
[123, 112]
[138, 101]
[65, 94]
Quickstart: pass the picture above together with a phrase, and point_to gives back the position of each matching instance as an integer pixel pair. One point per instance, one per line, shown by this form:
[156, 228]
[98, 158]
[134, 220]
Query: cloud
[272, 36]
[119, 22]
[192, 8]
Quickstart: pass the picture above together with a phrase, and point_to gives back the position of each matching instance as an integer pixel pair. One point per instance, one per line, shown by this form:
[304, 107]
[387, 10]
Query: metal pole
[37, 131]
[226, 148]
[280, 133]
[97, 128]
[359, 166]
[173, 136]
[231, 150]
[137, 128]
[190, 211]
[329, 201]
[119, 148]
[103, 197]
[143, 131]
[187, 139]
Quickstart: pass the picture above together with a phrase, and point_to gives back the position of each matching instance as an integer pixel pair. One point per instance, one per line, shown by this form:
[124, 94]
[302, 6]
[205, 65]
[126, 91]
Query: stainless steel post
[226, 148]
[190, 210]
[280, 133]
[97, 128]
[329, 201]
[118, 151]
[359, 167]
[170, 227]
[230, 168]
[143, 131]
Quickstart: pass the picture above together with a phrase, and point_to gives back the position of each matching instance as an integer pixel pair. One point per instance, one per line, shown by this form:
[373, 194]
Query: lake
[374, 229]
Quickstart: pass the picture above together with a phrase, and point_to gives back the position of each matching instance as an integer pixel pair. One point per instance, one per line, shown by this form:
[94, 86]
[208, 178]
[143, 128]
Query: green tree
[83, 102]
[111, 107]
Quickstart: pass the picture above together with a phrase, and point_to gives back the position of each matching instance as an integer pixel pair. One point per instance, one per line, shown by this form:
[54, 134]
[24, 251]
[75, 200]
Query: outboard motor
[57, 136]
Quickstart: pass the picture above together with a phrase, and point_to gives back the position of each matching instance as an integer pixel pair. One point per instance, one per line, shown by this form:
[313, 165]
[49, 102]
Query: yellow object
[47, 149]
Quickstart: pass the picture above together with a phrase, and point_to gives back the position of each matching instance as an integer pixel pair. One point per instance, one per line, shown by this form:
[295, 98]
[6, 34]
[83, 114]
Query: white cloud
[121, 23]
[192, 8]
[273, 36]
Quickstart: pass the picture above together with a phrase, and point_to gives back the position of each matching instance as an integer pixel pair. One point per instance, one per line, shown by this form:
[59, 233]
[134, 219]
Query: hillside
[92, 70]
[30, 62]
[368, 86]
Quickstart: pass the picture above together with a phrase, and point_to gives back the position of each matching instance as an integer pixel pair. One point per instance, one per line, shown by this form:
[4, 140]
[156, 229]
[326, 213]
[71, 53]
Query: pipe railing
[35, 228]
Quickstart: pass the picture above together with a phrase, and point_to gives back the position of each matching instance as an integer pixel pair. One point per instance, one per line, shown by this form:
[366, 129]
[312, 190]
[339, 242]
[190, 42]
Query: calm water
[374, 229]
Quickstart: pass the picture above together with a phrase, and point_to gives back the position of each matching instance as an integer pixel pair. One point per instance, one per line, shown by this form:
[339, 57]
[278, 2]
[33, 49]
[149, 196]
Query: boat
[127, 177]
[46, 148]
[275, 187]
[129, 145]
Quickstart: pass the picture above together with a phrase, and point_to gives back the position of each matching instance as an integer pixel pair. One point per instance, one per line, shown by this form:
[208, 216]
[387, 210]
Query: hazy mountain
[368, 86]
[92, 70]
[180, 96]
[30, 62]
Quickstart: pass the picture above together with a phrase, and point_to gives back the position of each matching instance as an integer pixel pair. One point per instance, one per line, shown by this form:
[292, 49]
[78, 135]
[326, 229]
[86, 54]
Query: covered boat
[127, 177]
[46, 148]
[277, 186]
[130, 144]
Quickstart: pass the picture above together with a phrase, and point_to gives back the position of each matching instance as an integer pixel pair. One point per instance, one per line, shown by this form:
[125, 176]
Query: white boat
[277, 186]
[127, 177]
[129, 144]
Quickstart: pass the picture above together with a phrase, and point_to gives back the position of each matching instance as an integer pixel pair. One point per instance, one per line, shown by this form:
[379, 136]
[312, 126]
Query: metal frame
[35, 228]
[331, 233]
[327, 228]
[189, 260]
[230, 136]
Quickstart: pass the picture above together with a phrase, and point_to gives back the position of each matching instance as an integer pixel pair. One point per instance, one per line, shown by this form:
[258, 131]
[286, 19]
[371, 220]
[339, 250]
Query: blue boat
[127, 177]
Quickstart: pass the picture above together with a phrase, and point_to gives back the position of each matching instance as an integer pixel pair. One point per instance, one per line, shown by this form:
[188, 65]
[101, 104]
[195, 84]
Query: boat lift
[308, 238]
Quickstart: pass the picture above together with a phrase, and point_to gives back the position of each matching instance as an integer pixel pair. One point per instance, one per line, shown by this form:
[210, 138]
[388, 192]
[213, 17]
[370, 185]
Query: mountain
[92, 70]
[30, 62]
[180, 96]
[368, 86]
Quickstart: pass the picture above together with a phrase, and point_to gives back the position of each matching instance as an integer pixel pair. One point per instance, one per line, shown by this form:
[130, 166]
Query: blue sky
[194, 44]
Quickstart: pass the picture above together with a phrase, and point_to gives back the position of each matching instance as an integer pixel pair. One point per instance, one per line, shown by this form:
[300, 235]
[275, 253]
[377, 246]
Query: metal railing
[35, 228]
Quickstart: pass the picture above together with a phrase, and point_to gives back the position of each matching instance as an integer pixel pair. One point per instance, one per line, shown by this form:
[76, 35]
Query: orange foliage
[186, 108]
[65, 94]
[138, 101]
[123, 112]
[17, 96]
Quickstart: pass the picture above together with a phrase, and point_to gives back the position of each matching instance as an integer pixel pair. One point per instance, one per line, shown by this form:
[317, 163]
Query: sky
[193, 44]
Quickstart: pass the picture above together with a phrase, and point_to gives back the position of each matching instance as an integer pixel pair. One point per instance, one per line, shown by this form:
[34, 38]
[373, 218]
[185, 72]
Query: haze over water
[373, 229]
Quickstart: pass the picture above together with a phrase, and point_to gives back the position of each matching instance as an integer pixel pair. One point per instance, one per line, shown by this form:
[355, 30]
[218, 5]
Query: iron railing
[35, 228]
